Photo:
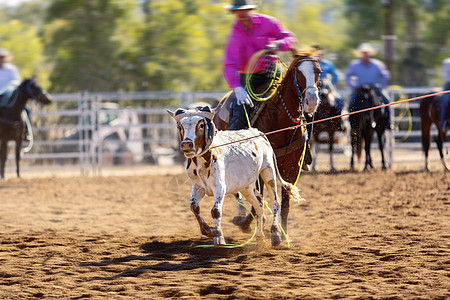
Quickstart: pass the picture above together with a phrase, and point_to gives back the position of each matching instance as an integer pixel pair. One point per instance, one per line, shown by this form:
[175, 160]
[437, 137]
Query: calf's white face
[192, 132]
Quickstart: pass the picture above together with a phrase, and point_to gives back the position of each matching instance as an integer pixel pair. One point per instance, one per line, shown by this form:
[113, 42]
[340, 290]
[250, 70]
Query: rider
[329, 71]
[9, 74]
[446, 97]
[10, 78]
[368, 71]
[250, 33]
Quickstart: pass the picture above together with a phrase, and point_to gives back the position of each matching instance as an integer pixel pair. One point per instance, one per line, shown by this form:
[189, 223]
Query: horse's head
[36, 92]
[196, 130]
[305, 71]
[367, 97]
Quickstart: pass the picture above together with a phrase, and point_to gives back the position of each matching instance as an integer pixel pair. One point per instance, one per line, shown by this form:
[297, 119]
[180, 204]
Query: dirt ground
[380, 235]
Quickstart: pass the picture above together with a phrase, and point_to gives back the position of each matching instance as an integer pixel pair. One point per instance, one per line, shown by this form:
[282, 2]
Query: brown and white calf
[228, 169]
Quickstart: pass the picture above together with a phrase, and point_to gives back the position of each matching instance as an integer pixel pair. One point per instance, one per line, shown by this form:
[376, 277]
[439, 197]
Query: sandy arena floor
[382, 235]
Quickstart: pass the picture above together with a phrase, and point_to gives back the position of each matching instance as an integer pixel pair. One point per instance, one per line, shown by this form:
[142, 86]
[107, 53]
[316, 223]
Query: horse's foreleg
[330, 149]
[381, 147]
[367, 145]
[3, 153]
[284, 209]
[18, 148]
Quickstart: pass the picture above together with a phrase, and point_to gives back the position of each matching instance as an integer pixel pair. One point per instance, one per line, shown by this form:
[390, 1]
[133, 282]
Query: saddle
[225, 109]
[5, 95]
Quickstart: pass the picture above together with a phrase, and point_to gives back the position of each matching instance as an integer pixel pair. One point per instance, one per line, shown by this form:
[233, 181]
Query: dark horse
[296, 94]
[12, 126]
[430, 112]
[326, 109]
[365, 123]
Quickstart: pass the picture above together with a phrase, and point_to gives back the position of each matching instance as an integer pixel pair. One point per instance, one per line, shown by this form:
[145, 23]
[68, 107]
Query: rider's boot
[238, 119]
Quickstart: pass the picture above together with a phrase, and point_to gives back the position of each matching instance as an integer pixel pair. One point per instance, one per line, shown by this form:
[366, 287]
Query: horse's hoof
[240, 222]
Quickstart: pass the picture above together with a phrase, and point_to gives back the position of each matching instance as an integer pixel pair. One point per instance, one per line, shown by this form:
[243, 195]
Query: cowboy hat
[4, 53]
[241, 4]
[365, 48]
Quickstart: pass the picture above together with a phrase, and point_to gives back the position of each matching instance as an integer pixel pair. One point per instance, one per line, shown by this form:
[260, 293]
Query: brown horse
[296, 94]
[12, 126]
[430, 112]
[326, 109]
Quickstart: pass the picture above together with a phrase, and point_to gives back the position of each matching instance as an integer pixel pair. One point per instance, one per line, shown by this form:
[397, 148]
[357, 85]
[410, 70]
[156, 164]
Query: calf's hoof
[276, 238]
[219, 241]
[207, 231]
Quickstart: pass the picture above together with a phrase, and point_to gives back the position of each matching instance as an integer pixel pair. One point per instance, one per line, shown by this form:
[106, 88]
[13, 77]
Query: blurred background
[87, 52]
[135, 45]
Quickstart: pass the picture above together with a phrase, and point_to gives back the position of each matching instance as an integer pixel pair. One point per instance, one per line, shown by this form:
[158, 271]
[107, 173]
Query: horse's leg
[315, 152]
[330, 149]
[381, 146]
[367, 144]
[425, 127]
[440, 143]
[284, 209]
[353, 144]
[18, 148]
[3, 153]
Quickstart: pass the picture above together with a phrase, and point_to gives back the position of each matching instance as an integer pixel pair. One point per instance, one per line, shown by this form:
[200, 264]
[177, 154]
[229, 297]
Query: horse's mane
[298, 55]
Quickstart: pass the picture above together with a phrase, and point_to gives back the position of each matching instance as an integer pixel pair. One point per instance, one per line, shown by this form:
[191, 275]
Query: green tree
[24, 43]
[81, 43]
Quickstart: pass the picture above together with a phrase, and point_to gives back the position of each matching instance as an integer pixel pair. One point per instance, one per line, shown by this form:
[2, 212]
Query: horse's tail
[291, 190]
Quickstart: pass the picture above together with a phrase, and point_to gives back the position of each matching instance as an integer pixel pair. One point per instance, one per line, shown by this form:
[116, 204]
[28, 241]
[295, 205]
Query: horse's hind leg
[440, 143]
[242, 211]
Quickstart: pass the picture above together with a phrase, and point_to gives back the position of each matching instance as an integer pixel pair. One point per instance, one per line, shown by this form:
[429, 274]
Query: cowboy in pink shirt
[250, 33]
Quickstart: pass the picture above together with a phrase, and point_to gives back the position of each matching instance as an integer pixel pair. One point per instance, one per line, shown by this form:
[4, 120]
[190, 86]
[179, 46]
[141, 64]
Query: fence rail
[88, 131]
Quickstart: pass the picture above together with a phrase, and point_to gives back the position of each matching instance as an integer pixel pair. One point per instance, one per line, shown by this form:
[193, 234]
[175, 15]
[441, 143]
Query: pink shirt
[242, 44]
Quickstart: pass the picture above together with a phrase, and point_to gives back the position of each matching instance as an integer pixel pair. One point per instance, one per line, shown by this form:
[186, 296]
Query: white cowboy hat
[365, 48]
[4, 53]
[241, 4]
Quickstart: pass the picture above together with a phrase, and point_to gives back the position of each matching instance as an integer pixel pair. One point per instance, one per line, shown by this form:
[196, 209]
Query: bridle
[300, 93]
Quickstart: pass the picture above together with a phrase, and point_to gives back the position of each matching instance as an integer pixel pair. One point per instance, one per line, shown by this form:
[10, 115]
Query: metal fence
[89, 131]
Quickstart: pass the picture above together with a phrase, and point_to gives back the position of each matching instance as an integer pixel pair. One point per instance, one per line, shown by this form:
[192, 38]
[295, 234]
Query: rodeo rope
[334, 117]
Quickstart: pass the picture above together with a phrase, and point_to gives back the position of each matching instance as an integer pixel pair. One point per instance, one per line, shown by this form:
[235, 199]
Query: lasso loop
[251, 68]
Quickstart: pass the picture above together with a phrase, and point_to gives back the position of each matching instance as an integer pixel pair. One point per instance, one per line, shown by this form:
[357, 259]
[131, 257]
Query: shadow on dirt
[172, 256]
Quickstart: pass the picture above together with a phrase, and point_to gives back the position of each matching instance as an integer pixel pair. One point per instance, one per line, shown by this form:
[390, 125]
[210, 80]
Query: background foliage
[125, 45]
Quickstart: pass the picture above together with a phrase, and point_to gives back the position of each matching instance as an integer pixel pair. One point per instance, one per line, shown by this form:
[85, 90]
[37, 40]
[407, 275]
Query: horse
[296, 94]
[12, 126]
[325, 109]
[430, 112]
[365, 123]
